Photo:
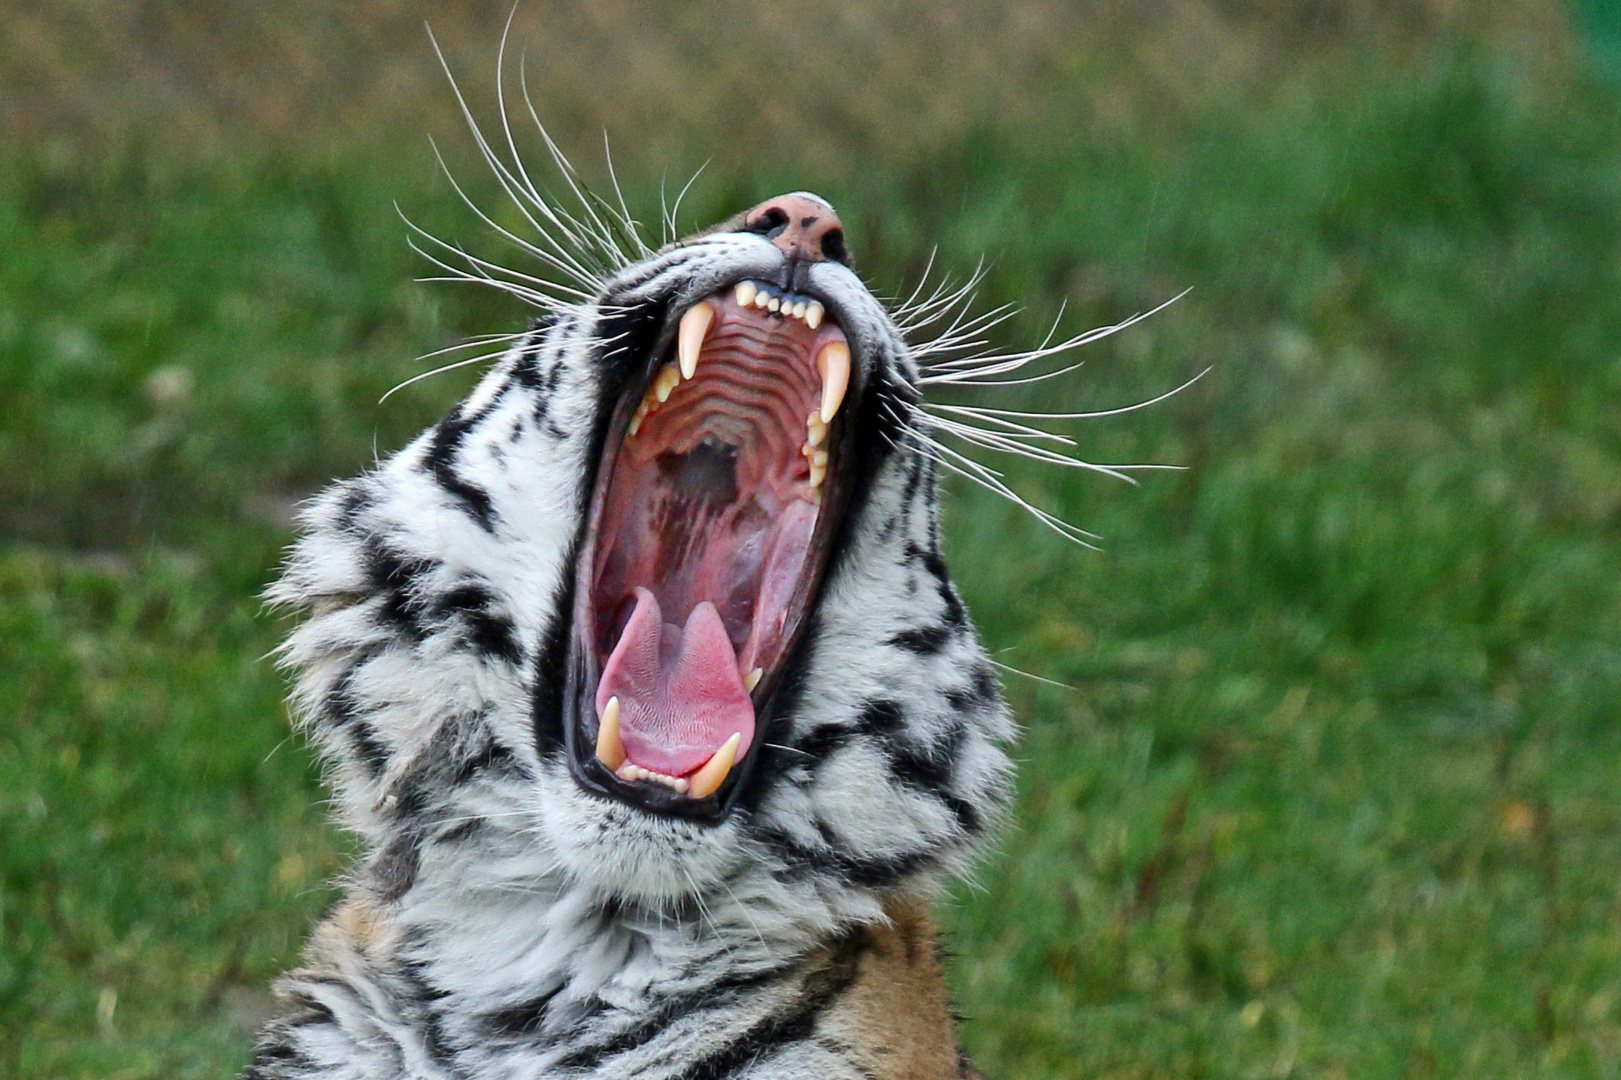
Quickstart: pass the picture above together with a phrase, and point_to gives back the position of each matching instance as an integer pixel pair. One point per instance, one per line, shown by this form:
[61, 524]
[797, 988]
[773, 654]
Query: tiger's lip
[708, 788]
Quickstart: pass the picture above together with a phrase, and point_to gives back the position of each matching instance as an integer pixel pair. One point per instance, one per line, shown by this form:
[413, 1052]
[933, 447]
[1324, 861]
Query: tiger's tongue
[680, 696]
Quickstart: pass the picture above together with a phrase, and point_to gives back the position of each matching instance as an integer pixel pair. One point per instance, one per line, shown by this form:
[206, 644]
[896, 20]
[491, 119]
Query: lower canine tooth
[752, 679]
[610, 751]
[833, 364]
[704, 782]
[690, 338]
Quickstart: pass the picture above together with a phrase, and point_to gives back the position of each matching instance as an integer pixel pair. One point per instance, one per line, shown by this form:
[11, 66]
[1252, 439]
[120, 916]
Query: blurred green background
[1333, 791]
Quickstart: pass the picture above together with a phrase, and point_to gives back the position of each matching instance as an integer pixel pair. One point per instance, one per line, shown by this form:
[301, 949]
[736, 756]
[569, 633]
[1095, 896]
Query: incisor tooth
[745, 293]
[707, 779]
[668, 379]
[773, 304]
[833, 363]
[813, 314]
[610, 751]
[690, 337]
[798, 310]
[752, 679]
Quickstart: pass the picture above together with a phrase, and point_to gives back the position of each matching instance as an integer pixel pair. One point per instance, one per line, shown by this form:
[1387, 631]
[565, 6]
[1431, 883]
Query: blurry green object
[1599, 23]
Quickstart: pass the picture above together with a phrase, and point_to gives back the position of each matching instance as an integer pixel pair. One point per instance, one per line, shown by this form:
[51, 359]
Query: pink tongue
[680, 696]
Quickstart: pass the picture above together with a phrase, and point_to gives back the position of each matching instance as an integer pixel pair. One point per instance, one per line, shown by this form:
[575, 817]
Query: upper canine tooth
[833, 363]
[813, 314]
[668, 379]
[610, 750]
[690, 337]
[745, 293]
[707, 779]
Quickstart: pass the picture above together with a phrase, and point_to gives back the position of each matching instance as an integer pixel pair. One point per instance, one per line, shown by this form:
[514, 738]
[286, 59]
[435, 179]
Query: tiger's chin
[724, 479]
[656, 861]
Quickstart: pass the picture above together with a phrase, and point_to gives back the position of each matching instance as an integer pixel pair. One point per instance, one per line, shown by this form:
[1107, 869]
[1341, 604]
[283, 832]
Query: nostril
[769, 222]
[833, 246]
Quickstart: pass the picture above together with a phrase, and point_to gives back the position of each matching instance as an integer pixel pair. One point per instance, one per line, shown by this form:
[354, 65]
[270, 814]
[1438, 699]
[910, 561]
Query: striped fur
[505, 922]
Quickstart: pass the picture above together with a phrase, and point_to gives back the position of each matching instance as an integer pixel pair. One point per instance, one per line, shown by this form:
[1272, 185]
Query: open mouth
[708, 532]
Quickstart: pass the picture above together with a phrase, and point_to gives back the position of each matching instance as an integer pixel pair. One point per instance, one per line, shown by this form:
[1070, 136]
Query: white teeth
[690, 337]
[815, 432]
[752, 679]
[708, 778]
[833, 363]
[632, 771]
[610, 750]
[771, 298]
[668, 379]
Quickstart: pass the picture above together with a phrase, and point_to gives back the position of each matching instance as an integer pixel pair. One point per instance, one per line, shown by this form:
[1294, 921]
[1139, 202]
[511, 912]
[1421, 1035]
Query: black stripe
[983, 689]
[924, 640]
[394, 869]
[440, 464]
[461, 831]
[339, 706]
[935, 565]
[490, 631]
[865, 871]
[356, 498]
[524, 1018]
[396, 577]
[821, 989]
[711, 996]
[425, 996]
[278, 1059]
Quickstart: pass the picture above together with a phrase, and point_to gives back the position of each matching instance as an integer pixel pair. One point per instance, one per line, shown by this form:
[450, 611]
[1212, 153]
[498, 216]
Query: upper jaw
[593, 717]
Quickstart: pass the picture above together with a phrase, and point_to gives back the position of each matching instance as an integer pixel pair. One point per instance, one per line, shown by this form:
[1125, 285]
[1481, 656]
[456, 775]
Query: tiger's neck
[554, 981]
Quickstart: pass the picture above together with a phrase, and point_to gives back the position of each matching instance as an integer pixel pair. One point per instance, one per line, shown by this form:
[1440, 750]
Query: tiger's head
[660, 609]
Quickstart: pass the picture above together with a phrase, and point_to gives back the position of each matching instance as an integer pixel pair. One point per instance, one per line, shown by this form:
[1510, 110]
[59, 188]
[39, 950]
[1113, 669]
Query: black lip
[779, 688]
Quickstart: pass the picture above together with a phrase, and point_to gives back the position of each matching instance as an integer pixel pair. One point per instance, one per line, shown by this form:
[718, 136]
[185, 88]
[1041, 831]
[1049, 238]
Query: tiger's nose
[804, 226]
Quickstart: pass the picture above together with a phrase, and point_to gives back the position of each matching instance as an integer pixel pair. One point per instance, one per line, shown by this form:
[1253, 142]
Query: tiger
[643, 683]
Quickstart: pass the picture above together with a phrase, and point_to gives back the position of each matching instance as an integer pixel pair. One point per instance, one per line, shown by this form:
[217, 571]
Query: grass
[1332, 791]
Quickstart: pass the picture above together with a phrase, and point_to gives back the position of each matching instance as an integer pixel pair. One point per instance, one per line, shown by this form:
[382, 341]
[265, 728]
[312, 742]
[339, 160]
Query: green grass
[1333, 791]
